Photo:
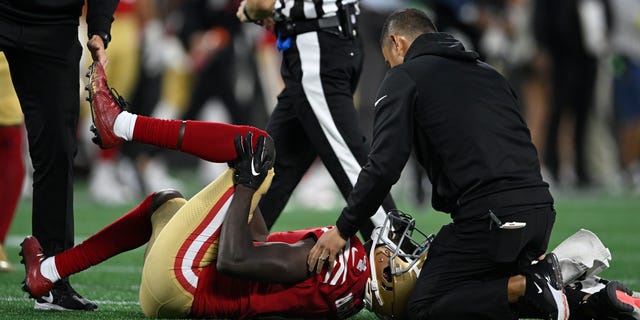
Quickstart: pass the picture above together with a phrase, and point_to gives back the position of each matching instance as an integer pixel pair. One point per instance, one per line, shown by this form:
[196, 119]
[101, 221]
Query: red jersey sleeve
[297, 235]
[343, 287]
[335, 294]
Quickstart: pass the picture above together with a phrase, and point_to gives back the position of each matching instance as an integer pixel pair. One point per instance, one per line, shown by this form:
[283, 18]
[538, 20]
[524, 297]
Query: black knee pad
[162, 196]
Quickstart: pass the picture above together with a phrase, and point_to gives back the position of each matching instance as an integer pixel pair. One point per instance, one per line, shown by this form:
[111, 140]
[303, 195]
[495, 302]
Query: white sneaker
[104, 185]
[155, 177]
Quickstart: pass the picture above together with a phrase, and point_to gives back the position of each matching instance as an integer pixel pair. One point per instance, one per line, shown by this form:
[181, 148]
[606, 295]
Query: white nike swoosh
[253, 170]
[378, 101]
[48, 298]
[537, 286]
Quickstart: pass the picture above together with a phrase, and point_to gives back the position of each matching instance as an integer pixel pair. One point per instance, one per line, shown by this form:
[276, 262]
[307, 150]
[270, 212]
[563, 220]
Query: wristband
[246, 15]
[106, 38]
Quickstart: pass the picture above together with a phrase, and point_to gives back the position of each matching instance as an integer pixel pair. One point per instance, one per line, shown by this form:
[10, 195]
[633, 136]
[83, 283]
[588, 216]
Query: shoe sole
[561, 301]
[54, 307]
[557, 289]
[24, 286]
[97, 139]
[557, 282]
[49, 306]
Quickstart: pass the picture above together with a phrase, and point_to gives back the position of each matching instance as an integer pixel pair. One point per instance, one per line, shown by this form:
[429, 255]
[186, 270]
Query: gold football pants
[183, 242]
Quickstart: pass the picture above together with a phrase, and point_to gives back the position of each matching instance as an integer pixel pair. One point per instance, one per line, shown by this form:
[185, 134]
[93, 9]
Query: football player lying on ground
[197, 266]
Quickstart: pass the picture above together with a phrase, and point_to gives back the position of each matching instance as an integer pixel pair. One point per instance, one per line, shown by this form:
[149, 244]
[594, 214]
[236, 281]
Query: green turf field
[114, 284]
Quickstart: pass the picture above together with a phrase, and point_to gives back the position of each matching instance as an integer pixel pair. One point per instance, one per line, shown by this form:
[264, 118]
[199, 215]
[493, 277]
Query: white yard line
[13, 241]
[104, 302]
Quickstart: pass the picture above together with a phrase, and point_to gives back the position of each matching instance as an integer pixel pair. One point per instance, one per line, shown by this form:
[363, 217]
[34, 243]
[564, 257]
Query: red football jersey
[336, 294]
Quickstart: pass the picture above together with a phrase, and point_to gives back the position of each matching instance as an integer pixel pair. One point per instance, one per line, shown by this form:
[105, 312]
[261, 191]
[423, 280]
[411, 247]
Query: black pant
[573, 82]
[217, 79]
[315, 116]
[44, 63]
[470, 262]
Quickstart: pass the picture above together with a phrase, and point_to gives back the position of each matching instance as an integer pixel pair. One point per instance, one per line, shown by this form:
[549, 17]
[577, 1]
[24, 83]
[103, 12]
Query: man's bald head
[409, 23]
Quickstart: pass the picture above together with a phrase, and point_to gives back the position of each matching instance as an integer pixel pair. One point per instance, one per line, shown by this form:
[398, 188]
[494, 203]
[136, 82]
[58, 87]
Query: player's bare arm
[258, 227]
[237, 253]
[255, 10]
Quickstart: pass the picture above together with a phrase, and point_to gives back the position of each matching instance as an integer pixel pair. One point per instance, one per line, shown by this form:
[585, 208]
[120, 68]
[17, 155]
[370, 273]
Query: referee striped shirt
[296, 10]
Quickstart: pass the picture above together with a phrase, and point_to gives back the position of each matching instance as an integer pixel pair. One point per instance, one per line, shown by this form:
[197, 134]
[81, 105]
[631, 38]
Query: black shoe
[544, 291]
[63, 297]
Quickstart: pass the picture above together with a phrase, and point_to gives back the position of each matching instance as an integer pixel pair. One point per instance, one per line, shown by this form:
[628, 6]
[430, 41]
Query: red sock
[130, 231]
[11, 176]
[211, 141]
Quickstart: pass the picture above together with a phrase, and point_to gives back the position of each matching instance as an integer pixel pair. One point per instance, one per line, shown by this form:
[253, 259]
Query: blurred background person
[527, 68]
[464, 19]
[626, 49]
[162, 89]
[373, 14]
[222, 61]
[507, 42]
[221, 57]
[571, 33]
[12, 170]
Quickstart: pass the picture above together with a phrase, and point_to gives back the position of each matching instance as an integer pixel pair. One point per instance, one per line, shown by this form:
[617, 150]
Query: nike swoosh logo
[378, 101]
[48, 298]
[537, 286]
[253, 170]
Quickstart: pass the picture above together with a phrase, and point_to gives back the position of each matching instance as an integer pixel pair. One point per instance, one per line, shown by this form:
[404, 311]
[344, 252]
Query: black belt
[290, 28]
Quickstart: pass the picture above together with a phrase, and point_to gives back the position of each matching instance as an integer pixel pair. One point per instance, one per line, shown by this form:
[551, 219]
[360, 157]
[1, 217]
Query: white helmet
[396, 257]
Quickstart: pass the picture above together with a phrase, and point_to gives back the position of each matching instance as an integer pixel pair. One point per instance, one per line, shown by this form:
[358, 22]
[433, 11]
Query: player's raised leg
[113, 125]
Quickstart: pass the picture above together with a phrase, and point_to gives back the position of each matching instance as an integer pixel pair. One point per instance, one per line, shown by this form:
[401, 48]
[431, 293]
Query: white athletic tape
[582, 254]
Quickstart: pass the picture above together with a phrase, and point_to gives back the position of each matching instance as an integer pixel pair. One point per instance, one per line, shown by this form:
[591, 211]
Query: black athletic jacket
[462, 119]
[60, 12]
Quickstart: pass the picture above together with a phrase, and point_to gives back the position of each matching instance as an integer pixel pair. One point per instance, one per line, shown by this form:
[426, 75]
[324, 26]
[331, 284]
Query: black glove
[250, 168]
[605, 304]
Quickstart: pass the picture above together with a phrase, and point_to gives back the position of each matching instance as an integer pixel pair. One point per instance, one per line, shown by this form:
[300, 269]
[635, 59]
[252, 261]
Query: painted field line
[13, 240]
[99, 302]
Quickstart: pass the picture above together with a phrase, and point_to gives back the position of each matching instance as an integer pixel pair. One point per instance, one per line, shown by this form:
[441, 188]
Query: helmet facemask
[396, 256]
